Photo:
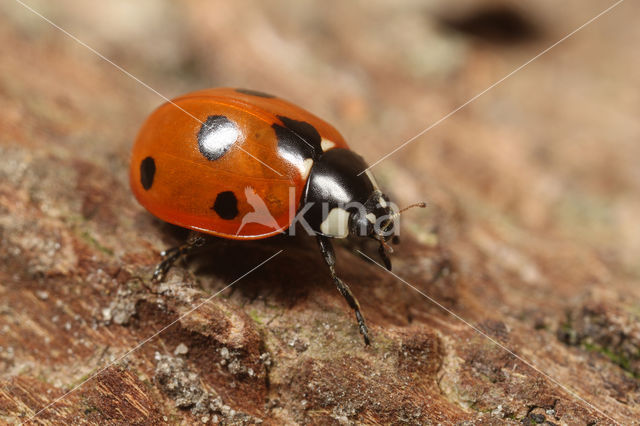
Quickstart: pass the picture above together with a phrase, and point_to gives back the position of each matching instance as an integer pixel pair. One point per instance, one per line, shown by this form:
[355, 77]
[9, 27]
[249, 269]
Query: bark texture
[530, 239]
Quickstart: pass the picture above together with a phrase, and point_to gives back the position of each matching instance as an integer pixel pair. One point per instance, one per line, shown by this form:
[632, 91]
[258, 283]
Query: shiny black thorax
[334, 182]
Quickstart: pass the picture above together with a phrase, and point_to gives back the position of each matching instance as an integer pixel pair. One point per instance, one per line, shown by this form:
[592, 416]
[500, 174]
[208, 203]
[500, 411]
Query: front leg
[330, 258]
[171, 255]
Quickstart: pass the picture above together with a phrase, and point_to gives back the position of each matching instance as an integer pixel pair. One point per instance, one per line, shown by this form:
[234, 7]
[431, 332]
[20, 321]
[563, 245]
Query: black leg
[170, 256]
[330, 257]
[385, 258]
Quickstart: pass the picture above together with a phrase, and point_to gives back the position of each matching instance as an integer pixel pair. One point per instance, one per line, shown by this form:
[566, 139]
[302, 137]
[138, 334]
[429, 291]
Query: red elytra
[171, 177]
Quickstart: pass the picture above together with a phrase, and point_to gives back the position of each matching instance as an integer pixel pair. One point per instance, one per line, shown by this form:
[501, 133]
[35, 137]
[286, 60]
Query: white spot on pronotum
[371, 217]
[326, 144]
[383, 202]
[395, 211]
[372, 179]
[336, 224]
[305, 168]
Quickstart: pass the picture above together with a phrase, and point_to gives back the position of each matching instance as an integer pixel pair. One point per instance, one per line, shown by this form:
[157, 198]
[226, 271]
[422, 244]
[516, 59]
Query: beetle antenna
[421, 204]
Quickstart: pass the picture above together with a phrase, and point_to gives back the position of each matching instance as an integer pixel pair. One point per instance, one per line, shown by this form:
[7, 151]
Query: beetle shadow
[295, 272]
[293, 267]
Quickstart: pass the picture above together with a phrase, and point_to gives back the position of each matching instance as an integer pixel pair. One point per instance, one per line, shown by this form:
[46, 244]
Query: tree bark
[504, 305]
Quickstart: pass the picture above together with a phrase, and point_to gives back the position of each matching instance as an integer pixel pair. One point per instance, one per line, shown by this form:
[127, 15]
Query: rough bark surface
[530, 239]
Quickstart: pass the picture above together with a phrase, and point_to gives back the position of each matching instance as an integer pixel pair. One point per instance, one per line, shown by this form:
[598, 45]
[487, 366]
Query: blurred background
[533, 188]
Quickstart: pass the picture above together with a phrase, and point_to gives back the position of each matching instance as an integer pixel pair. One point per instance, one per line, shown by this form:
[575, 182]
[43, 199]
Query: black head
[374, 218]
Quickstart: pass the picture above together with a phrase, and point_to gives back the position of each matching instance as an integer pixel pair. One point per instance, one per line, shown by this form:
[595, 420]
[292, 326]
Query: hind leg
[330, 258]
[171, 255]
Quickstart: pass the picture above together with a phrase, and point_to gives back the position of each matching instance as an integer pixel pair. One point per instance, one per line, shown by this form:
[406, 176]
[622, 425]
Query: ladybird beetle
[242, 164]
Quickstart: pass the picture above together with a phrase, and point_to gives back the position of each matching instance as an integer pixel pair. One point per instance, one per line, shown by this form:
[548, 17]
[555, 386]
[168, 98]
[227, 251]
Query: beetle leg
[330, 258]
[171, 255]
[382, 251]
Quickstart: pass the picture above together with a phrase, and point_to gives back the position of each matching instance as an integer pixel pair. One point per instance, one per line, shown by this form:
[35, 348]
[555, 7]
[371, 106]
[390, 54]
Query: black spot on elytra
[297, 139]
[147, 172]
[498, 24]
[226, 205]
[214, 123]
[304, 130]
[255, 93]
[291, 147]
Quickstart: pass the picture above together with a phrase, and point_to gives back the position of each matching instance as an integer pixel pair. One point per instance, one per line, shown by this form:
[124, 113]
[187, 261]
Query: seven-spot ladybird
[242, 164]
